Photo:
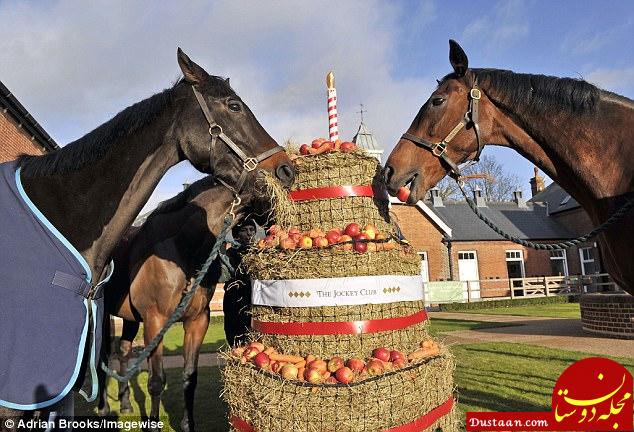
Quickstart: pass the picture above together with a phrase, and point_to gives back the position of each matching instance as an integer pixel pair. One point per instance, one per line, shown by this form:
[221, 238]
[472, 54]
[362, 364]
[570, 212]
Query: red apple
[375, 367]
[330, 145]
[317, 142]
[274, 230]
[287, 244]
[334, 364]
[352, 230]
[344, 375]
[257, 345]
[271, 241]
[320, 365]
[276, 367]
[331, 380]
[296, 238]
[360, 247]
[395, 355]
[250, 353]
[313, 376]
[262, 360]
[355, 364]
[320, 242]
[400, 363]
[370, 231]
[289, 371]
[382, 354]
[347, 146]
[403, 193]
[305, 242]
[333, 237]
[294, 230]
[303, 149]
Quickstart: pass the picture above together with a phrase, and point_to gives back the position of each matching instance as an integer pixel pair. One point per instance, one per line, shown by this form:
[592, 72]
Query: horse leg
[103, 408]
[195, 330]
[130, 329]
[156, 378]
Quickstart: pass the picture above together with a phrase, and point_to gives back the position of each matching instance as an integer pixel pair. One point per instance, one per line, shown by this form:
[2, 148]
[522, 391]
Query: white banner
[337, 291]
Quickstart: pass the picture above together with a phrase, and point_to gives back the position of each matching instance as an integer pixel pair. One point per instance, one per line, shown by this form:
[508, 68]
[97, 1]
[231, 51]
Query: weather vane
[361, 112]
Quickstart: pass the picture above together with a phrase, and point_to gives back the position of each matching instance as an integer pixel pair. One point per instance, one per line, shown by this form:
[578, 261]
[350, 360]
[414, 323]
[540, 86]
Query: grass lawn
[441, 325]
[489, 377]
[555, 310]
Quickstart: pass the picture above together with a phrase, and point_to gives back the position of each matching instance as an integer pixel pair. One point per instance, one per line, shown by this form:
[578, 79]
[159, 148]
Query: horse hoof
[103, 411]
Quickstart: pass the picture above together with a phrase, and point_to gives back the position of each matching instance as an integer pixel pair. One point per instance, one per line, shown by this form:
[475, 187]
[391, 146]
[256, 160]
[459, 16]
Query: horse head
[218, 133]
[445, 133]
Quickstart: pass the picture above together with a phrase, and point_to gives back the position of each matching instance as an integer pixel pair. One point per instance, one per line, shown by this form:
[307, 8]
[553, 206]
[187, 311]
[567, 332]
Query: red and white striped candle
[333, 130]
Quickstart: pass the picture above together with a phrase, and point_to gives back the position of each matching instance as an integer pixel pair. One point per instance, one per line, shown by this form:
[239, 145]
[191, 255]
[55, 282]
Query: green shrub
[491, 304]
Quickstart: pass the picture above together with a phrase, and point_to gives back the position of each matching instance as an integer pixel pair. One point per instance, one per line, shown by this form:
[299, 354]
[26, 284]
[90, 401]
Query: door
[424, 267]
[468, 271]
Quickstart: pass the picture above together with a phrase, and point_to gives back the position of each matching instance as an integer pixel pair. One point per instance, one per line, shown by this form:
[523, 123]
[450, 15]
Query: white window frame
[563, 257]
[424, 257]
[583, 261]
[520, 259]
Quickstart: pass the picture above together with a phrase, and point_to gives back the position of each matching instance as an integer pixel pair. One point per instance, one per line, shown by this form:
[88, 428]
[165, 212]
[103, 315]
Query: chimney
[478, 198]
[186, 185]
[519, 200]
[537, 183]
[436, 199]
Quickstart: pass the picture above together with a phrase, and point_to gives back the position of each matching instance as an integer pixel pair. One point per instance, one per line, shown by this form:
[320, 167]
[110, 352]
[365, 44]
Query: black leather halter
[440, 149]
[248, 163]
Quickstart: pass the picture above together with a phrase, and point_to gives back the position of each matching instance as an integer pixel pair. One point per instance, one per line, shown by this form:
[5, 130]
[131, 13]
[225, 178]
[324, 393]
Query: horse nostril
[285, 174]
[387, 174]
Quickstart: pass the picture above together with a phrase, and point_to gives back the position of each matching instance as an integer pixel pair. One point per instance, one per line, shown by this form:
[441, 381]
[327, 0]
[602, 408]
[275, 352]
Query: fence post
[546, 291]
[468, 291]
[512, 288]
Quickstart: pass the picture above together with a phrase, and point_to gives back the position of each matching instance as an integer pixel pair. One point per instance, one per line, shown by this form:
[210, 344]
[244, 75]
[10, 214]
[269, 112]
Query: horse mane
[95, 144]
[539, 93]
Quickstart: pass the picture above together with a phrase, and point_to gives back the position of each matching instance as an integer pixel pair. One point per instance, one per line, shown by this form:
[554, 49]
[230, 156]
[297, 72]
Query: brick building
[20, 133]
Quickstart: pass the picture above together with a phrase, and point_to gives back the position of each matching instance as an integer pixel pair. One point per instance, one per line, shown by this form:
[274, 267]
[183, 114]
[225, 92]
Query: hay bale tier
[340, 301]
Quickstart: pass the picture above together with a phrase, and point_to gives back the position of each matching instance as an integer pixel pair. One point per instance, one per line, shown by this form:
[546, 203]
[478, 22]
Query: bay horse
[155, 264]
[580, 135]
[92, 189]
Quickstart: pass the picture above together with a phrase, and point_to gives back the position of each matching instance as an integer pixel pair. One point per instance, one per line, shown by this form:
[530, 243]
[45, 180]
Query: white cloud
[506, 23]
[612, 79]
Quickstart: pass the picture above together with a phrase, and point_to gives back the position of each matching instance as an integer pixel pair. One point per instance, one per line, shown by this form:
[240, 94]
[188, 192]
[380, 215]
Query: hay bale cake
[339, 331]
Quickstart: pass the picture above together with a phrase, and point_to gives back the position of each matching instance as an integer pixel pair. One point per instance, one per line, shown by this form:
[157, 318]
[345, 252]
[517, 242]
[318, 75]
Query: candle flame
[330, 80]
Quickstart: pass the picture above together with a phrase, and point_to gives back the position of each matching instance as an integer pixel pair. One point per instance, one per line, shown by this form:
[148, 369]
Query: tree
[497, 184]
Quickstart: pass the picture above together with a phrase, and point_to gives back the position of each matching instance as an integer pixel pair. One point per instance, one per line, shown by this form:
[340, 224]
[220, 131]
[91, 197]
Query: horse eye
[437, 101]
[235, 106]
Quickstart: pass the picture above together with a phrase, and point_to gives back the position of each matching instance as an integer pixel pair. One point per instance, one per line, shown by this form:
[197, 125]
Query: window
[515, 269]
[559, 263]
[589, 264]
[466, 255]
[514, 255]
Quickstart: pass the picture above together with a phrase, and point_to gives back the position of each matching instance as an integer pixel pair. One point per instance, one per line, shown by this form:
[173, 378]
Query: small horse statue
[155, 265]
[75, 205]
[581, 136]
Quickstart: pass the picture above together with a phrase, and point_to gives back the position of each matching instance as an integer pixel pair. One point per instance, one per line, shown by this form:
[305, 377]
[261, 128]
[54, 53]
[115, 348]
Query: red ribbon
[332, 192]
[334, 328]
[417, 425]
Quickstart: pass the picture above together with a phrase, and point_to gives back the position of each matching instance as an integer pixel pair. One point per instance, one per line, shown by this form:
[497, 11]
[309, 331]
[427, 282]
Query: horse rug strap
[48, 306]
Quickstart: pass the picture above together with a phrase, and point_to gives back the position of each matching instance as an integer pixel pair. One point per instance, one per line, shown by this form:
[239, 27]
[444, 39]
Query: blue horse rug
[48, 314]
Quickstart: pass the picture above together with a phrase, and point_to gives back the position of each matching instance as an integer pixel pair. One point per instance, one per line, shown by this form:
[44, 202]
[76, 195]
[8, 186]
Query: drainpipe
[447, 242]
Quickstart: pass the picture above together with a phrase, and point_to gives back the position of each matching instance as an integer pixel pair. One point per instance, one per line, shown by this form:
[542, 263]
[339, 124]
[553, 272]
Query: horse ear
[193, 73]
[458, 58]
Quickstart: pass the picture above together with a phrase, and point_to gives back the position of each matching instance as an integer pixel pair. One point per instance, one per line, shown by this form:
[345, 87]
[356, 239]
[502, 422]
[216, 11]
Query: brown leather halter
[440, 149]
[248, 163]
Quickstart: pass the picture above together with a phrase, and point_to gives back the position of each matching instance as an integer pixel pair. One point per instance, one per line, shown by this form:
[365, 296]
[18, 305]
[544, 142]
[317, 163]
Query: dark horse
[581, 136]
[155, 265]
[92, 189]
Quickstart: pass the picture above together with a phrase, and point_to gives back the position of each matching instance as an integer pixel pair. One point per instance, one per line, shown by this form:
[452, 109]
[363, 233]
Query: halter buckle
[250, 164]
[475, 94]
[215, 130]
[442, 146]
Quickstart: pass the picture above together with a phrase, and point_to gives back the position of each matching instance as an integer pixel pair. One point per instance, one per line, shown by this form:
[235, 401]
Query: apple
[352, 230]
[287, 243]
[276, 367]
[312, 375]
[303, 149]
[400, 363]
[360, 247]
[320, 365]
[320, 242]
[296, 238]
[371, 231]
[257, 345]
[344, 375]
[403, 193]
[375, 367]
[395, 355]
[294, 230]
[250, 353]
[347, 146]
[333, 237]
[262, 360]
[335, 364]
[331, 145]
[331, 380]
[274, 230]
[346, 240]
[355, 364]
[382, 354]
[289, 371]
[271, 241]
[305, 242]
[317, 142]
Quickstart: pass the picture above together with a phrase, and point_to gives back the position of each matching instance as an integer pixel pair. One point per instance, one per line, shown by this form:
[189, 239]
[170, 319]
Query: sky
[75, 64]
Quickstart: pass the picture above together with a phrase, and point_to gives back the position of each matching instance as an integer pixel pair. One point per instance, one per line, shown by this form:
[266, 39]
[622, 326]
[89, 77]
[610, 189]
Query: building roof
[557, 199]
[529, 223]
[11, 104]
[365, 139]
